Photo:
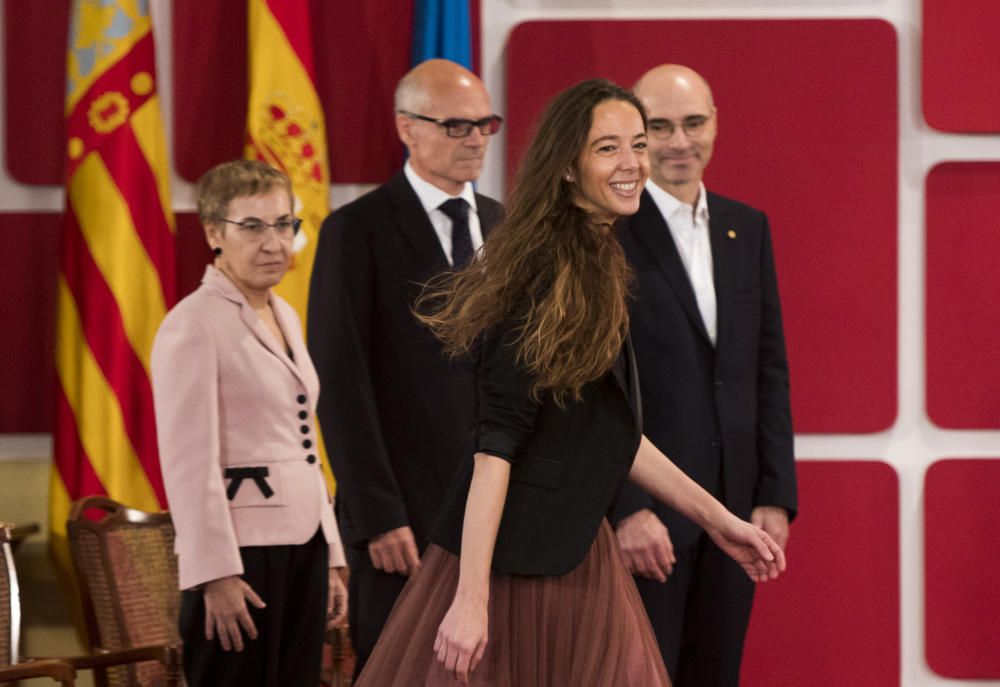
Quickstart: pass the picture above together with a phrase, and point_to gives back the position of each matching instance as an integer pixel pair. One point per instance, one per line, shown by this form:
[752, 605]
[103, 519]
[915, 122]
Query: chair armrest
[167, 654]
[44, 667]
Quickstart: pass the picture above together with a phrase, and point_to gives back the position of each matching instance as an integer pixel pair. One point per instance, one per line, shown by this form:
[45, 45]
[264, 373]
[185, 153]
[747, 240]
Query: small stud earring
[569, 178]
[217, 250]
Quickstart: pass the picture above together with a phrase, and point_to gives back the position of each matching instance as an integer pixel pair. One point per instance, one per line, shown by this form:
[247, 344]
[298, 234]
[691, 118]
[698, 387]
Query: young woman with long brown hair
[524, 584]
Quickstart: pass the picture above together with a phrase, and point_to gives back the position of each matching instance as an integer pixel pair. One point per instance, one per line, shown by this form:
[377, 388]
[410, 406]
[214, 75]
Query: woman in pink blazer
[235, 392]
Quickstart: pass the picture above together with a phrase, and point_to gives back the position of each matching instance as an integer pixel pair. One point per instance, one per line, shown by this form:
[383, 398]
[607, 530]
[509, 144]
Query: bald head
[673, 80]
[432, 92]
[682, 127]
[432, 79]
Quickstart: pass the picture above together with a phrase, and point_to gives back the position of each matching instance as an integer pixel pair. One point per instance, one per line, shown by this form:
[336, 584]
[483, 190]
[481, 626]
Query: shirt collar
[668, 204]
[431, 196]
[215, 279]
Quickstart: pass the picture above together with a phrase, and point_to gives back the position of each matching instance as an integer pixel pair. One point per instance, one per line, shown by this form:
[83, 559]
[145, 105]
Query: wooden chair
[127, 574]
[11, 668]
[338, 659]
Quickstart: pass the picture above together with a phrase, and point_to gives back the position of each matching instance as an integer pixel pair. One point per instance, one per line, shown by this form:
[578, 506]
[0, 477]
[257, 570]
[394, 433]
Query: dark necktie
[457, 210]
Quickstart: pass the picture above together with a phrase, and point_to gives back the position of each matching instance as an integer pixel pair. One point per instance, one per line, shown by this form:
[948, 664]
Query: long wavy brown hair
[551, 273]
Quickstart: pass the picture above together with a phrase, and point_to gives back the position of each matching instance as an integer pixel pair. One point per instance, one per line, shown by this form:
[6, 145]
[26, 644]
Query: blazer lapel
[723, 246]
[627, 380]
[256, 325]
[651, 231]
[219, 282]
[412, 221]
[489, 215]
[296, 344]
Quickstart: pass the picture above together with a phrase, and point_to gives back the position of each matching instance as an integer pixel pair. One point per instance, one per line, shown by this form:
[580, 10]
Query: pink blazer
[234, 417]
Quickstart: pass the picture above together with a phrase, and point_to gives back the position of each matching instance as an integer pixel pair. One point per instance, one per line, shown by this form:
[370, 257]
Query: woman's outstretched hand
[461, 637]
[753, 548]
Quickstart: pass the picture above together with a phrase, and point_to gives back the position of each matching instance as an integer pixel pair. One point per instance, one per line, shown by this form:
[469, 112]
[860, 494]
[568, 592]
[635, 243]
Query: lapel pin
[731, 234]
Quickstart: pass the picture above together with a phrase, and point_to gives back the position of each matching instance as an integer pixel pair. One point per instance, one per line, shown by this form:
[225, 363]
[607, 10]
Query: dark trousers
[293, 582]
[700, 616]
[373, 593]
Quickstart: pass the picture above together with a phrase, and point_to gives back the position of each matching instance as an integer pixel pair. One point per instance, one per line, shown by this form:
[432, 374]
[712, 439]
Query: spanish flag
[285, 125]
[286, 129]
[117, 269]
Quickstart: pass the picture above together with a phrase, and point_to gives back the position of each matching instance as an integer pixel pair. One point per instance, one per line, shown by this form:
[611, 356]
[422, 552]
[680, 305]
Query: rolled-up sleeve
[507, 412]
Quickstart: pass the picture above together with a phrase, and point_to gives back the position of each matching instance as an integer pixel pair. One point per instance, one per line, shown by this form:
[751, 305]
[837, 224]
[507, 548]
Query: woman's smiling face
[613, 166]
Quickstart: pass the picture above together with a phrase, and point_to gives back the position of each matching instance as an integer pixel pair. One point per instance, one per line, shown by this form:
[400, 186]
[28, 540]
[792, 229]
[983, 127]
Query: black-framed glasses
[692, 125]
[255, 229]
[460, 128]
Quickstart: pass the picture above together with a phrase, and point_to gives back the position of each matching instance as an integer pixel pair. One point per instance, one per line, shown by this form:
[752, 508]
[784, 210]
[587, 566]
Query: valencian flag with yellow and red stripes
[117, 262]
[285, 125]
[286, 129]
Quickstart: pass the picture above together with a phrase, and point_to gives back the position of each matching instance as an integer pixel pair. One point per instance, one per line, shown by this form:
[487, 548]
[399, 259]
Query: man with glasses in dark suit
[397, 415]
[706, 326]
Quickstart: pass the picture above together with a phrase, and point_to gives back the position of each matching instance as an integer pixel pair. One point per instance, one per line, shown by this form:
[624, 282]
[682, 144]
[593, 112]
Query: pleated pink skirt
[586, 628]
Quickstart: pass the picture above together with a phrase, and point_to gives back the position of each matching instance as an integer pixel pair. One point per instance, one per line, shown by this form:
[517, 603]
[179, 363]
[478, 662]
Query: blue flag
[442, 28]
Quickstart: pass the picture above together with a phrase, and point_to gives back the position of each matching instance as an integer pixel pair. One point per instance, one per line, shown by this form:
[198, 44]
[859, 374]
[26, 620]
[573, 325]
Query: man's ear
[404, 129]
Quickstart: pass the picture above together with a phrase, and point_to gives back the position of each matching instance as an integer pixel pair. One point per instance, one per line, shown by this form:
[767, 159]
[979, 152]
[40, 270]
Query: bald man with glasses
[397, 415]
[707, 331]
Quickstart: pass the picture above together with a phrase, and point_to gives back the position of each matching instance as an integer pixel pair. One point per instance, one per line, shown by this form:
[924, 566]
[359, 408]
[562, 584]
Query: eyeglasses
[255, 229]
[692, 126]
[460, 128]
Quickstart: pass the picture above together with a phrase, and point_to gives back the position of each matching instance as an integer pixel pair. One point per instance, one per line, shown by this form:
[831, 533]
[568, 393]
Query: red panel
[29, 244]
[832, 619]
[360, 56]
[962, 568]
[193, 253]
[963, 370]
[209, 82]
[35, 35]
[809, 139]
[960, 62]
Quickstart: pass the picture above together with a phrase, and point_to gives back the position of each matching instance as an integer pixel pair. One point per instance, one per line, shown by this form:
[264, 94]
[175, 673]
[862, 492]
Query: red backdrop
[362, 49]
[832, 619]
[963, 369]
[811, 140]
[960, 63]
[962, 568]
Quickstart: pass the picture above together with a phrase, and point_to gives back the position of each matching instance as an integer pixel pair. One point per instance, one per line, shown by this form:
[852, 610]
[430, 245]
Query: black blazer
[397, 415]
[568, 464]
[721, 414]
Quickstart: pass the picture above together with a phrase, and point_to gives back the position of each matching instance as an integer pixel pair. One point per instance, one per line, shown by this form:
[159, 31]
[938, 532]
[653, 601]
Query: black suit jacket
[568, 464]
[397, 415]
[721, 414]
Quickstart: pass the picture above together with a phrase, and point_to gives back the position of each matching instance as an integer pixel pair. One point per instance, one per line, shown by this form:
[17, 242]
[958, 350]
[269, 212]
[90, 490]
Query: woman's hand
[336, 602]
[461, 638]
[226, 611]
[753, 548]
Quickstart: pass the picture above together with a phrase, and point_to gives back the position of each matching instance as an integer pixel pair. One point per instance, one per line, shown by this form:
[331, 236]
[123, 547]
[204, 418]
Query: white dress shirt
[431, 198]
[689, 228]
